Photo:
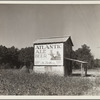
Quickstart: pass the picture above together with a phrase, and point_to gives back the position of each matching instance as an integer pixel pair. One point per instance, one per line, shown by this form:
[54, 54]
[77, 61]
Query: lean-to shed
[51, 52]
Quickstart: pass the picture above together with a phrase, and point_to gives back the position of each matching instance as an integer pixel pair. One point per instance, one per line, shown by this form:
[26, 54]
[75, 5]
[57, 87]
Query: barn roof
[53, 40]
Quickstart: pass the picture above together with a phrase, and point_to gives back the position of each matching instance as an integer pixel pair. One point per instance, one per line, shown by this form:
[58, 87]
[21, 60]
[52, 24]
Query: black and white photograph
[49, 49]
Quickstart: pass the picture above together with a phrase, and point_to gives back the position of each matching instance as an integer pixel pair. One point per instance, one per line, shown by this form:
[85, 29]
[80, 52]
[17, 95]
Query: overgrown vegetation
[14, 82]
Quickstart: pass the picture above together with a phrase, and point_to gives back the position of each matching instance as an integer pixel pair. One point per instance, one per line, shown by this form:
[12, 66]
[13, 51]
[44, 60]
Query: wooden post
[85, 70]
[81, 69]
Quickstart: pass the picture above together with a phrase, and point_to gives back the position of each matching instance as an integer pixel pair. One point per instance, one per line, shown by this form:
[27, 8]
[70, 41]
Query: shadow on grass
[78, 75]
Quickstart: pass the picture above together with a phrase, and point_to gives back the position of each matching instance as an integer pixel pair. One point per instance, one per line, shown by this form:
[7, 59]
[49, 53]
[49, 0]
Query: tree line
[14, 58]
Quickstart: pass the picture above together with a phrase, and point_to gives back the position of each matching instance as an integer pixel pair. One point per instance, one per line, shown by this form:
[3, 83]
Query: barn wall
[57, 70]
[67, 49]
[67, 63]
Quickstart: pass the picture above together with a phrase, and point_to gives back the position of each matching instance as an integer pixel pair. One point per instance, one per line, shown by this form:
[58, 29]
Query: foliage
[14, 83]
[97, 63]
[14, 58]
[8, 56]
[83, 54]
[3, 54]
[26, 56]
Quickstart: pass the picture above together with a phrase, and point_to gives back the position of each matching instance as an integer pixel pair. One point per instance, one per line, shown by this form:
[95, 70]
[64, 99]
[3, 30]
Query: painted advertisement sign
[48, 54]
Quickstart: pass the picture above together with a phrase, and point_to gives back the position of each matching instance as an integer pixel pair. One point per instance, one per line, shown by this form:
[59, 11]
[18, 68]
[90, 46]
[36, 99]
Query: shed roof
[76, 60]
[53, 40]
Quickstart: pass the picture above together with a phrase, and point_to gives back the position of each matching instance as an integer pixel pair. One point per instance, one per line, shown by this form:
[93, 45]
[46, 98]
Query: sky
[21, 25]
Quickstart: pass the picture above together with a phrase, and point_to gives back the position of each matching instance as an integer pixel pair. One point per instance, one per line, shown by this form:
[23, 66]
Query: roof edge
[55, 37]
[71, 40]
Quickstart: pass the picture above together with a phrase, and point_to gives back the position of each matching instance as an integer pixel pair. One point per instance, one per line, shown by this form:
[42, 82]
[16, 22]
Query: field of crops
[14, 82]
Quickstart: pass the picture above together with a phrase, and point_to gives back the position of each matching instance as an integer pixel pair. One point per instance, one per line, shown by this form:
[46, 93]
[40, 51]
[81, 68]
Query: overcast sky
[21, 25]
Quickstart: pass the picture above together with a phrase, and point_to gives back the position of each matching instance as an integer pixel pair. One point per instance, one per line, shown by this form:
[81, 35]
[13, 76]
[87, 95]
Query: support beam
[85, 69]
[82, 69]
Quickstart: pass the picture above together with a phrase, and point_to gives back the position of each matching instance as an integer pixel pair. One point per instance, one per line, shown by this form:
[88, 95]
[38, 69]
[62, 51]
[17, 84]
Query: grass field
[14, 82]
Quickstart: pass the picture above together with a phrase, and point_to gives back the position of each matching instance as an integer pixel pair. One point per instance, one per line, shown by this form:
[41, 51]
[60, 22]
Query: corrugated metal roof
[52, 39]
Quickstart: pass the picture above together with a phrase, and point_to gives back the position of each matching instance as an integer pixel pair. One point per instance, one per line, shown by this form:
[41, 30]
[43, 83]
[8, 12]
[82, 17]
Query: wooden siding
[67, 53]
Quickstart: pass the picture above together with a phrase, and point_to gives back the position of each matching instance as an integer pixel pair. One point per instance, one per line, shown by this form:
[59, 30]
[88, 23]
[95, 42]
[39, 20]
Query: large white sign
[48, 54]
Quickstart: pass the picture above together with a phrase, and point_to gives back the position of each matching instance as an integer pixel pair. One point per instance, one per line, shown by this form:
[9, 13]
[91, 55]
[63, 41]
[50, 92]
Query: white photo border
[49, 97]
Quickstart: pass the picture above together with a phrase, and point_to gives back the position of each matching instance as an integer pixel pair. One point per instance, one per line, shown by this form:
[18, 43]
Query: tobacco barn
[50, 55]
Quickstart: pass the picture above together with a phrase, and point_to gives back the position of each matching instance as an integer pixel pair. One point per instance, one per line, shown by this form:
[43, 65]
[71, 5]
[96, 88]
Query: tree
[3, 54]
[97, 63]
[12, 56]
[84, 54]
[8, 57]
[26, 56]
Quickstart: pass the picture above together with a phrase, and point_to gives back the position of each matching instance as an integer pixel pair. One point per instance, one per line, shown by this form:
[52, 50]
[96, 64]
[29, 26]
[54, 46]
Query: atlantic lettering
[50, 46]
